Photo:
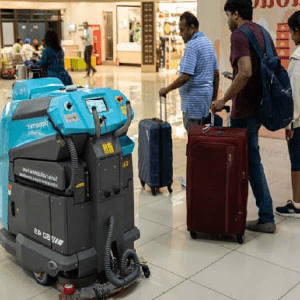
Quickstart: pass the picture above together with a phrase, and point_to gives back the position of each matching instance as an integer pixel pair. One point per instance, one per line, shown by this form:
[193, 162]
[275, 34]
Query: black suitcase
[155, 155]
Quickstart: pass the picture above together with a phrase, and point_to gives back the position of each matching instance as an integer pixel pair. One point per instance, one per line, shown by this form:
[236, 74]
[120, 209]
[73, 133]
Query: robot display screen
[99, 103]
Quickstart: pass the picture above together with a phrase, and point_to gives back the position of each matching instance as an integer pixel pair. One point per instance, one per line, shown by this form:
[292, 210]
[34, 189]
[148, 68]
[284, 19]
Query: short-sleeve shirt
[200, 62]
[88, 34]
[246, 103]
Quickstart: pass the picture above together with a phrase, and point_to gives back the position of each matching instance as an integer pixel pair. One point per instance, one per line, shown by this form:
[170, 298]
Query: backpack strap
[254, 43]
[252, 40]
[268, 45]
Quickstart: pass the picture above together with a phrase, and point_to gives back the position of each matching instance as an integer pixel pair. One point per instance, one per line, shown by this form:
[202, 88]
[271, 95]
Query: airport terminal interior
[265, 267]
[127, 58]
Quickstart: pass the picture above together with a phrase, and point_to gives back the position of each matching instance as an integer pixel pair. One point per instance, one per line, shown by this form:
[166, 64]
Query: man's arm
[239, 82]
[181, 80]
[216, 84]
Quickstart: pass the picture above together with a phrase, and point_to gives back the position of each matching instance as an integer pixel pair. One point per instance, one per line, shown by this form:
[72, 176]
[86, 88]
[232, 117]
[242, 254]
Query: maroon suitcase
[217, 180]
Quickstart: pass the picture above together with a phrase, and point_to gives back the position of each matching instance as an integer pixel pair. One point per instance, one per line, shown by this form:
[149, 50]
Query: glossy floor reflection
[265, 267]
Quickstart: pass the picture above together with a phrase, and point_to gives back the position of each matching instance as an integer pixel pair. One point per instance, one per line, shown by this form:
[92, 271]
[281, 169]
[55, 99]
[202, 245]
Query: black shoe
[94, 71]
[261, 227]
[289, 210]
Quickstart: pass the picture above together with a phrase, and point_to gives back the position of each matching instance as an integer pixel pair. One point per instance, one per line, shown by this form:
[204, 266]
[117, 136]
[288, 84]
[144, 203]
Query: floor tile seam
[289, 291]
[142, 205]
[145, 219]
[184, 280]
[269, 262]
[173, 273]
[284, 220]
[218, 292]
[215, 261]
[48, 289]
[155, 238]
[228, 248]
[177, 228]
[163, 224]
[3, 261]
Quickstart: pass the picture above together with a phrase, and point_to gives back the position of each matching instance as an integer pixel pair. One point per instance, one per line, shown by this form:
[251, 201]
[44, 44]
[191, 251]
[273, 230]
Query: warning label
[40, 177]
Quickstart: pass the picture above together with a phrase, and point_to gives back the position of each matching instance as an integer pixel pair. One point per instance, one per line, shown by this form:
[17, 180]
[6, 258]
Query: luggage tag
[207, 127]
[212, 121]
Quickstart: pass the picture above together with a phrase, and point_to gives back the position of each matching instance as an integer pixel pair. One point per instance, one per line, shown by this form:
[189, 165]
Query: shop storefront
[129, 35]
[169, 43]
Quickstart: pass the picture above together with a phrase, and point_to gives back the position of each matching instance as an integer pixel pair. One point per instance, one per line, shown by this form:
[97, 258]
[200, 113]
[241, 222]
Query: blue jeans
[257, 176]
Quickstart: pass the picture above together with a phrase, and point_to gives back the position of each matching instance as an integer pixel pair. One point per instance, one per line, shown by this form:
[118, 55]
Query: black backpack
[276, 108]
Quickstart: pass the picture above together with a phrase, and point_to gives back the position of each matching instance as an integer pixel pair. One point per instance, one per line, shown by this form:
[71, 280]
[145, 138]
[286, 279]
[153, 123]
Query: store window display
[129, 34]
[170, 46]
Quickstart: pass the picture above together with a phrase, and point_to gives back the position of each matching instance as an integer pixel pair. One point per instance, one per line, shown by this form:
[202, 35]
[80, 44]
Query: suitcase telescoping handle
[160, 100]
[227, 109]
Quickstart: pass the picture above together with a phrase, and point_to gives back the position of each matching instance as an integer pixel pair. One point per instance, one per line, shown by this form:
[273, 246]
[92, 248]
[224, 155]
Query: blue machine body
[69, 111]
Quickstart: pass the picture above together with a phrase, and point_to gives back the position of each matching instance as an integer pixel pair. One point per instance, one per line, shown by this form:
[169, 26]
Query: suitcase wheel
[194, 234]
[240, 238]
[153, 190]
[170, 189]
[143, 183]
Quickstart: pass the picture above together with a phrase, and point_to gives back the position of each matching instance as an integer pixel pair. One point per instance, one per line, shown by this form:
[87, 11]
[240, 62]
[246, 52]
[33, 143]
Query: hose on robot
[124, 280]
[73, 155]
[74, 167]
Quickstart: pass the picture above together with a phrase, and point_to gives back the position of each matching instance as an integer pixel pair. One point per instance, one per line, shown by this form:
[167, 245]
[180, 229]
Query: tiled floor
[265, 267]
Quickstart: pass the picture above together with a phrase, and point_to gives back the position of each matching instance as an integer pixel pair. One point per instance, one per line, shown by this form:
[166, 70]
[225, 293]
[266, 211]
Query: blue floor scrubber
[66, 198]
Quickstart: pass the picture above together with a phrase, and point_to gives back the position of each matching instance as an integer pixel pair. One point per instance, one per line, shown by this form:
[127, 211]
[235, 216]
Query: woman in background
[53, 58]
[292, 208]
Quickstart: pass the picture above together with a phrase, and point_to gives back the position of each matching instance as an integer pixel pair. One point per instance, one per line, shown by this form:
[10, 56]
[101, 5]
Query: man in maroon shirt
[246, 94]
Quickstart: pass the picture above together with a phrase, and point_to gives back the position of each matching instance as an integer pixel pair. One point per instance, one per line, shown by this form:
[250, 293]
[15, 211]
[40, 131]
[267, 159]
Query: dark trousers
[257, 176]
[87, 58]
[294, 150]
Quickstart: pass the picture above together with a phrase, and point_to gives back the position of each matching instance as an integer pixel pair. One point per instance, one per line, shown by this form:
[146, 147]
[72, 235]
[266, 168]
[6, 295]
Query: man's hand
[163, 92]
[289, 134]
[217, 105]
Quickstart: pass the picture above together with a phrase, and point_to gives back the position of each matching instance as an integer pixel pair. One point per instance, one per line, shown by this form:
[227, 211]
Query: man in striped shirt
[199, 75]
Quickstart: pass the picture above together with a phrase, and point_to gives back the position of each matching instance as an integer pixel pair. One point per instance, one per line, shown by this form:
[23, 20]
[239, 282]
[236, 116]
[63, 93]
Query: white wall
[213, 24]
[212, 20]
[78, 13]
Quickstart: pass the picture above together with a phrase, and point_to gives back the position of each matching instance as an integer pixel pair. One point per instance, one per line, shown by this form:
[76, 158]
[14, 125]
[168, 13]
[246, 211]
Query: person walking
[246, 94]
[88, 44]
[292, 208]
[53, 58]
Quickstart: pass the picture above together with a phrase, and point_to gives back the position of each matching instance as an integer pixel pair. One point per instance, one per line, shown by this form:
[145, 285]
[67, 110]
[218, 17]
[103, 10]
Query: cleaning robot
[66, 198]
